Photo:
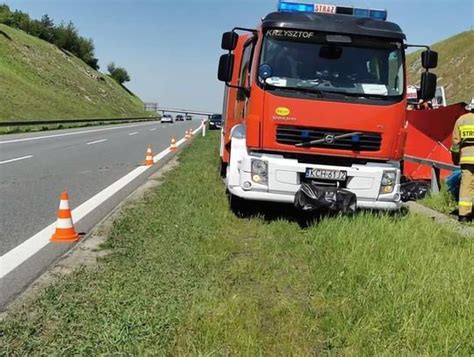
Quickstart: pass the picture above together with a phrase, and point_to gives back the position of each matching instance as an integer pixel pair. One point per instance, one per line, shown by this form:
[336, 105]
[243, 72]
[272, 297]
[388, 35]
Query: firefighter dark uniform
[463, 154]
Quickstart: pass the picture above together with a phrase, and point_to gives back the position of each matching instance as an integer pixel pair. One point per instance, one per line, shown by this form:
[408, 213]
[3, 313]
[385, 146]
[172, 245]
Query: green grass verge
[186, 276]
[39, 81]
[444, 202]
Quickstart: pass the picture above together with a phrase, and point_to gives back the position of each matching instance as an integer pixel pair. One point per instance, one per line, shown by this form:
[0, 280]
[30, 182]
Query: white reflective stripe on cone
[64, 223]
[63, 204]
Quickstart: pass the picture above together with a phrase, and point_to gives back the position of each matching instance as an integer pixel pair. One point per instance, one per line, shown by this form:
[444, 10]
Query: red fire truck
[317, 93]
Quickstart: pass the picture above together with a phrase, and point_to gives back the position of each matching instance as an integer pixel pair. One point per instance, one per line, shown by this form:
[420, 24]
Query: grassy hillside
[39, 81]
[455, 66]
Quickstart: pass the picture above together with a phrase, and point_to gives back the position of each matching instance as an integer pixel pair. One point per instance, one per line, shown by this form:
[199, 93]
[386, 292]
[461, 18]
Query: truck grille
[291, 135]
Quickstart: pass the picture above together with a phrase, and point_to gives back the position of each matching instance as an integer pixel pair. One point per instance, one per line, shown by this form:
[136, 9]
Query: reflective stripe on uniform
[465, 204]
[467, 154]
[466, 131]
[467, 160]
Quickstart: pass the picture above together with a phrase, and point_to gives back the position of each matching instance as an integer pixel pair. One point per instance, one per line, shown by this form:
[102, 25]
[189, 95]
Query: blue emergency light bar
[286, 6]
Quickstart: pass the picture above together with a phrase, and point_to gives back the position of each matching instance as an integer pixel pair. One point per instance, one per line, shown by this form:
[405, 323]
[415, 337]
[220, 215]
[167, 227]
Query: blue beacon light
[377, 14]
[284, 6]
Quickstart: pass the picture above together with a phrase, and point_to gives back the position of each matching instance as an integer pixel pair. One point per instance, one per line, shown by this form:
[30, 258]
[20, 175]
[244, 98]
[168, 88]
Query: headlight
[238, 131]
[259, 171]
[388, 182]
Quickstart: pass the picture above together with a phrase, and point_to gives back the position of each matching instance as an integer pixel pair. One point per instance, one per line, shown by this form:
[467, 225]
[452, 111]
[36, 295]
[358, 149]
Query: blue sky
[171, 47]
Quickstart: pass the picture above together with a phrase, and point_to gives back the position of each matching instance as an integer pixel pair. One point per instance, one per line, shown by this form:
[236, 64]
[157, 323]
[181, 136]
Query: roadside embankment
[41, 81]
[186, 276]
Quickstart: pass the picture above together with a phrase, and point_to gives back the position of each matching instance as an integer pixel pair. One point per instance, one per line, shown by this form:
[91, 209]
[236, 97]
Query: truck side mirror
[429, 59]
[226, 66]
[428, 85]
[229, 40]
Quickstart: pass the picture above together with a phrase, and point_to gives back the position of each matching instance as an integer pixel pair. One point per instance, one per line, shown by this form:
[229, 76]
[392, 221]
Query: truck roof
[335, 23]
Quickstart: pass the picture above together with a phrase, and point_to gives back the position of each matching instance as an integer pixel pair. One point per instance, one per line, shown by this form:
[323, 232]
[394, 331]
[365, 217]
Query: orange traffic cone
[148, 157]
[187, 135]
[173, 144]
[65, 232]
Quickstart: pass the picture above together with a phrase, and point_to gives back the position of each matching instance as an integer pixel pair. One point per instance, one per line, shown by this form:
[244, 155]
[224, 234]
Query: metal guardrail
[184, 111]
[73, 121]
[436, 167]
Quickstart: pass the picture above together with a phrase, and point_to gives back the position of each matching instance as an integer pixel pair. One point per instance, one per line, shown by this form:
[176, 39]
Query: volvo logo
[329, 139]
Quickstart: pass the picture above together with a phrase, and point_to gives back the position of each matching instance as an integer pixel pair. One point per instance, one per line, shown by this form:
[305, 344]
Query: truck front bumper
[285, 175]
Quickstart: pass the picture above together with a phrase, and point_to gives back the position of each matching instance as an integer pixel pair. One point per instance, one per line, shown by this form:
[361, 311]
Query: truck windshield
[358, 66]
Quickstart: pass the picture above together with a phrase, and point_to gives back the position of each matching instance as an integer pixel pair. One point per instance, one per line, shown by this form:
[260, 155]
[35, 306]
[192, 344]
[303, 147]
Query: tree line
[65, 36]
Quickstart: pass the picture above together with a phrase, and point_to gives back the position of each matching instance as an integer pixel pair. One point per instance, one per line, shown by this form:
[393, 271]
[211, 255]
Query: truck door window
[244, 79]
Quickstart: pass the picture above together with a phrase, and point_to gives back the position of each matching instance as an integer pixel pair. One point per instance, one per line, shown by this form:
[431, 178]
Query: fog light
[247, 185]
[259, 172]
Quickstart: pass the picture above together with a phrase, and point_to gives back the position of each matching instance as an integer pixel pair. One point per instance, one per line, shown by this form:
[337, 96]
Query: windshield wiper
[359, 95]
[301, 89]
[334, 138]
[322, 92]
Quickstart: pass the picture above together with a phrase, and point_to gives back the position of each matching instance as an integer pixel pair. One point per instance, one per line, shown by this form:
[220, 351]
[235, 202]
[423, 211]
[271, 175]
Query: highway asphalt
[35, 168]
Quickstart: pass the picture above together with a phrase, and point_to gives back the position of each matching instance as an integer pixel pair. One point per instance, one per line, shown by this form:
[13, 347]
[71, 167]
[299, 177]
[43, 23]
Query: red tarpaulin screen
[429, 137]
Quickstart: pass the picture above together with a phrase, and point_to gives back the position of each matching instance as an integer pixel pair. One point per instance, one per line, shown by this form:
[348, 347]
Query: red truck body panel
[386, 120]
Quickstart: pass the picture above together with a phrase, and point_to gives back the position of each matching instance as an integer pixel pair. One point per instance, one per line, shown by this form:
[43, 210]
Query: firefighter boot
[466, 192]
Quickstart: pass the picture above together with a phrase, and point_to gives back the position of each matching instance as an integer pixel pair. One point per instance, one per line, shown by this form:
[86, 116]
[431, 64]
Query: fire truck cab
[316, 92]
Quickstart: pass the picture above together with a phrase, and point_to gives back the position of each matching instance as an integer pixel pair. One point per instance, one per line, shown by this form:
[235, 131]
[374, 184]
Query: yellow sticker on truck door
[282, 111]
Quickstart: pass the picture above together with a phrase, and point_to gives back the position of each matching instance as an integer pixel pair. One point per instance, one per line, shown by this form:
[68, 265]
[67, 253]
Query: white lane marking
[74, 133]
[16, 159]
[22, 252]
[153, 129]
[134, 133]
[96, 142]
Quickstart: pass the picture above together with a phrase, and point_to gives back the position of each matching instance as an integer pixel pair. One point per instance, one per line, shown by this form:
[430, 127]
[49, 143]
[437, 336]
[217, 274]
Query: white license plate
[328, 9]
[321, 174]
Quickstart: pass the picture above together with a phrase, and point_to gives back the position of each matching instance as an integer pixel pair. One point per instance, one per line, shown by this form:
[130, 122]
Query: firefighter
[463, 153]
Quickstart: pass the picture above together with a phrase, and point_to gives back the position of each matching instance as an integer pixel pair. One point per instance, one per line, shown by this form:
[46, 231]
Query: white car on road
[167, 119]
